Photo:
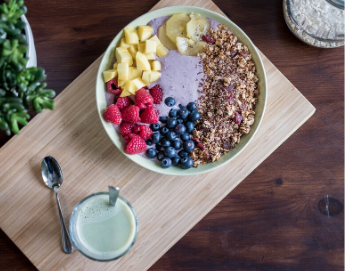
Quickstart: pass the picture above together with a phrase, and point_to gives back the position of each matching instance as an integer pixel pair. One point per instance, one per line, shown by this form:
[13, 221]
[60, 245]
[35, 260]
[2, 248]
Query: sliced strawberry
[143, 99]
[113, 114]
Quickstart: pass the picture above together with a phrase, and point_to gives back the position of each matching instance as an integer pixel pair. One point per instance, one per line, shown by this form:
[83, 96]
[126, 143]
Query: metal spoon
[113, 194]
[52, 177]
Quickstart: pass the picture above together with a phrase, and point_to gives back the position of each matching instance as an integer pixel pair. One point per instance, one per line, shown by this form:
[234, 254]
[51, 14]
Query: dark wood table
[276, 218]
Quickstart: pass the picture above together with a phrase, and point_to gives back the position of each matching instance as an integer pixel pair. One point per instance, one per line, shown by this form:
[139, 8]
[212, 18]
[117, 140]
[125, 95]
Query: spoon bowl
[51, 172]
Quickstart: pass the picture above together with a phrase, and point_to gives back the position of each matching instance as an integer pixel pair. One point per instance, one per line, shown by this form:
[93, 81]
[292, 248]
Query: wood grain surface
[275, 219]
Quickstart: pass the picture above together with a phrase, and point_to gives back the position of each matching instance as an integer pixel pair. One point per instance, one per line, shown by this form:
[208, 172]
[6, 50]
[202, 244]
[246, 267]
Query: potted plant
[21, 87]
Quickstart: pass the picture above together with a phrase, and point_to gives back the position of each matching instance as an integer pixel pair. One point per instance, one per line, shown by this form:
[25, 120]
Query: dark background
[275, 219]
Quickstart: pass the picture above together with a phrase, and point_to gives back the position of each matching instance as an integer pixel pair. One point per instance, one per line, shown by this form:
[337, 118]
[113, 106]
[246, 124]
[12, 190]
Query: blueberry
[151, 153]
[189, 127]
[191, 106]
[195, 115]
[159, 147]
[180, 129]
[170, 101]
[149, 142]
[183, 154]
[155, 126]
[171, 123]
[160, 155]
[185, 136]
[173, 113]
[163, 119]
[186, 162]
[156, 137]
[164, 130]
[171, 135]
[166, 162]
[175, 160]
[188, 145]
[183, 112]
[179, 120]
[176, 144]
[170, 152]
[165, 142]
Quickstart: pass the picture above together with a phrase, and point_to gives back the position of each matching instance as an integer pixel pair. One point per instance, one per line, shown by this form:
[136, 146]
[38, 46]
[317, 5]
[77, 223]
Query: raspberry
[145, 132]
[238, 118]
[123, 102]
[112, 114]
[137, 129]
[143, 99]
[135, 144]
[157, 94]
[131, 114]
[208, 39]
[113, 88]
[149, 115]
[126, 128]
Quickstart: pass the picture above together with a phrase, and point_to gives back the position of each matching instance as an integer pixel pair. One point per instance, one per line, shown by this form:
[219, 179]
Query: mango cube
[123, 43]
[109, 74]
[161, 50]
[133, 49]
[141, 47]
[144, 32]
[122, 55]
[115, 66]
[142, 62]
[135, 73]
[139, 83]
[150, 56]
[121, 83]
[146, 77]
[156, 65]
[123, 71]
[130, 87]
[156, 39]
[131, 35]
[150, 46]
[125, 93]
[154, 76]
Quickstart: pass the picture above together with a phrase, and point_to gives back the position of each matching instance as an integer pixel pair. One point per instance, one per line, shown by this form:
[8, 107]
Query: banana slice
[188, 47]
[165, 39]
[176, 26]
[197, 27]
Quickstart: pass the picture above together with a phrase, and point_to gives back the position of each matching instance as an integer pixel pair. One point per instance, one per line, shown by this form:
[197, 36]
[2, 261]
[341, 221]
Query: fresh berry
[183, 154]
[164, 130]
[137, 129]
[151, 153]
[171, 135]
[131, 114]
[175, 160]
[170, 101]
[156, 137]
[195, 115]
[155, 126]
[238, 118]
[157, 94]
[166, 162]
[170, 152]
[185, 136]
[113, 114]
[135, 145]
[180, 129]
[145, 131]
[198, 143]
[113, 87]
[173, 113]
[163, 119]
[186, 162]
[179, 121]
[126, 128]
[149, 115]
[189, 127]
[127, 138]
[176, 144]
[189, 145]
[143, 99]
[191, 106]
[159, 147]
[183, 112]
[208, 39]
[171, 123]
[149, 142]
[160, 155]
[164, 142]
[123, 102]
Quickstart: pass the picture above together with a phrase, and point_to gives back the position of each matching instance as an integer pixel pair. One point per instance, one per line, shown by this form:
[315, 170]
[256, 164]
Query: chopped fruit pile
[136, 65]
[172, 136]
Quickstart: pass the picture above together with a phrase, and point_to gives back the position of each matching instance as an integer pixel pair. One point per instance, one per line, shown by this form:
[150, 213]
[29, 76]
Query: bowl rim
[176, 171]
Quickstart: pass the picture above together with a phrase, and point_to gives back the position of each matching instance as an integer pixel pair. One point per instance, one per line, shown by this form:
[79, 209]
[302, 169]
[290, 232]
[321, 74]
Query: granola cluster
[229, 94]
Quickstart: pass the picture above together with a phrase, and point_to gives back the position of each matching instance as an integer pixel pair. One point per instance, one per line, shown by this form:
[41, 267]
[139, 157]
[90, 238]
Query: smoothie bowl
[181, 90]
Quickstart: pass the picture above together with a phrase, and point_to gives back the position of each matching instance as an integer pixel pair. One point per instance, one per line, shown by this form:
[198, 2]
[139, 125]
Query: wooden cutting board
[167, 206]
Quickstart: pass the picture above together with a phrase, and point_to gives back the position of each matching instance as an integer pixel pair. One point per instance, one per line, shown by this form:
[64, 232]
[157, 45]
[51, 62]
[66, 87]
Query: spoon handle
[66, 240]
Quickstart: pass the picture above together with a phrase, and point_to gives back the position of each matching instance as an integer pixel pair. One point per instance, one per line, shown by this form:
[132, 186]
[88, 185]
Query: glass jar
[319, 23]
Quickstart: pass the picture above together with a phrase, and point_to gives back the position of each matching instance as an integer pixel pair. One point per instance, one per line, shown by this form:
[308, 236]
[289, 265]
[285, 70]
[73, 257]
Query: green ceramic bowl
[260, 107]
